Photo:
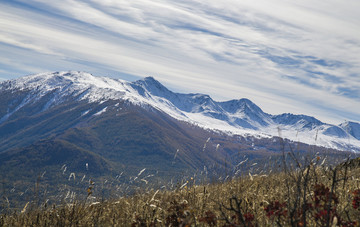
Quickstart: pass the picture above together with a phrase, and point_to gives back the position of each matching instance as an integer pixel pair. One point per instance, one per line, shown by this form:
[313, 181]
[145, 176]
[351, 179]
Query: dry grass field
[311, 194]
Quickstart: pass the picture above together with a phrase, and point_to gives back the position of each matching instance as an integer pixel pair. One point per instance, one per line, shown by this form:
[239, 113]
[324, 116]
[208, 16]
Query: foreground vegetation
[309, 194]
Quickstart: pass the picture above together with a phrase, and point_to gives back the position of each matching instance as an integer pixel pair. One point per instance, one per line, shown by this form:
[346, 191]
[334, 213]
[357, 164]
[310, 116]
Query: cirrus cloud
[286, 56]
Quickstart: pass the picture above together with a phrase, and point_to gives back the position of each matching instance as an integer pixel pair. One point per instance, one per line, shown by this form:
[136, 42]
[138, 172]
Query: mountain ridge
[240, 116]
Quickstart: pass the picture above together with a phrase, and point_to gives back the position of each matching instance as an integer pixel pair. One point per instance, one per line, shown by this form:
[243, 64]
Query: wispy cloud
[284, 55]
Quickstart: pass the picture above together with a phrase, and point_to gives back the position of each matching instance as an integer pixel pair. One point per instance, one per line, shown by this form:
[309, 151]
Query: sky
[301, 57]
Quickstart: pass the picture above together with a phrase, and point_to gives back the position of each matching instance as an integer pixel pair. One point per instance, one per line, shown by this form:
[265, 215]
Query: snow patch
[85, 112]
[101, 112]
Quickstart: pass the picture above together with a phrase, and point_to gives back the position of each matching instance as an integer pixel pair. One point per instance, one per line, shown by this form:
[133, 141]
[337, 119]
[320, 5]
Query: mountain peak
[288, 118]
[352, 128]
[242, 105]
[150, 78]
[153, 86]
[52, 80]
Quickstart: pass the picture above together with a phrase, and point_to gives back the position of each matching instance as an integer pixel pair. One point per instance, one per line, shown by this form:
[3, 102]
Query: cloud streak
[299, 57]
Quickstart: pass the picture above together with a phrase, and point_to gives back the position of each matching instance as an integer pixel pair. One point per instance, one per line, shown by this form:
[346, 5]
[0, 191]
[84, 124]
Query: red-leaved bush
[356, 200]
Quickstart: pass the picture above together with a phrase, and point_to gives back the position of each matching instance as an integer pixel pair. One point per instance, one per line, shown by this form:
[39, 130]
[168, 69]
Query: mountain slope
[240, 117]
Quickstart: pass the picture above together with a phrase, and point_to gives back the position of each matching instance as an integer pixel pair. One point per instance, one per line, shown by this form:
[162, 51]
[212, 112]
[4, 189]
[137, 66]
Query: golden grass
[238, 202]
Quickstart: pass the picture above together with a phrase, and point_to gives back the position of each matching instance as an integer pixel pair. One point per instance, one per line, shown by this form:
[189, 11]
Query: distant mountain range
[241, 117]
[98, 126]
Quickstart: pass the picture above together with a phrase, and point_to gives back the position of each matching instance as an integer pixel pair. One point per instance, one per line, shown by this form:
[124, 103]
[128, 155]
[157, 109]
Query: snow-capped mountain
[241, 117]
[352, 128]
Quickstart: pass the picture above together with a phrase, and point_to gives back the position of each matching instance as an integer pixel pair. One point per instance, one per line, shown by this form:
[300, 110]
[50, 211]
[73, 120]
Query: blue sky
[301, 57]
